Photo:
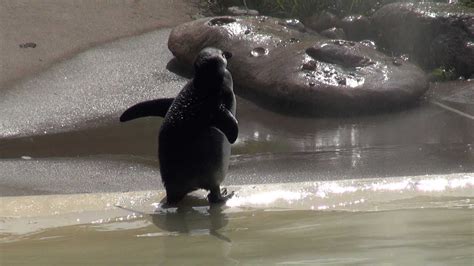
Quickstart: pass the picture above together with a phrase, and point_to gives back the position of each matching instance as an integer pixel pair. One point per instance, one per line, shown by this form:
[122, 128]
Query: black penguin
[199, 126]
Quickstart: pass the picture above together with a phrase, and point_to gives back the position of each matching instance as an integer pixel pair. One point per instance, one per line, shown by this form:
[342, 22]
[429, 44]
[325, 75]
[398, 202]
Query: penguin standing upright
[199, 126]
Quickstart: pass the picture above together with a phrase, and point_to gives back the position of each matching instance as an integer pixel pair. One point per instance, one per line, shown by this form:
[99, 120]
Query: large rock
[433, 34]
[298, 72]
[322, 21]
[357, 27]
[241, 11]
[334, 33]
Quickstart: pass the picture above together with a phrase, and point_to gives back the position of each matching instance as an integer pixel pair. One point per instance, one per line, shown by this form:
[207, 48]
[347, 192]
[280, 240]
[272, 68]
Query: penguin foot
[224, 191]
[219, 197]
[227, 195]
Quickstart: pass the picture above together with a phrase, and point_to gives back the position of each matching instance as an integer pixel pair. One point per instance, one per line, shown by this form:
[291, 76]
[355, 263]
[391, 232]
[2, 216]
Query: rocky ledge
[278, 64]
[433, 34]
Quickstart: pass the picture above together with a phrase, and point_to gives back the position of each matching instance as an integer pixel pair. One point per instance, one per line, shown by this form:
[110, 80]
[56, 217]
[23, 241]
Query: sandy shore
[62, 28]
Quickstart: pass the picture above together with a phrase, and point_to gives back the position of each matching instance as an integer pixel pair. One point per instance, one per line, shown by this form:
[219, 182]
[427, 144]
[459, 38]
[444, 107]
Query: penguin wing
[225, 121]
[157, 107]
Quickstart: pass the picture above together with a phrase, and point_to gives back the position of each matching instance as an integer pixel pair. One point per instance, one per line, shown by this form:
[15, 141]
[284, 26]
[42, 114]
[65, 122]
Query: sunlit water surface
[400, 221]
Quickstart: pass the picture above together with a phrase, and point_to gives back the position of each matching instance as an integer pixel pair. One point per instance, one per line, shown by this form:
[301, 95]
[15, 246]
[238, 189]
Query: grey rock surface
[433, 34]
[322, 21]
[301, 73]
[334, 33]
[357, 27]
[241, 11]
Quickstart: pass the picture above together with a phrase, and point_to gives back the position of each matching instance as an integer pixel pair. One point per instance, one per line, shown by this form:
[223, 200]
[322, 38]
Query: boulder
[322, 21]
[301, 73]
[334, 33]
[357, 27]
[432, 34]
[294, 24]
[241, 11]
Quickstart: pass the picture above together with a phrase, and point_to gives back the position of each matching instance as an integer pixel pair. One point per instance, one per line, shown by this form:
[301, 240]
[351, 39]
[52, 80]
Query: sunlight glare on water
[337, 194]
[265, 198]
[326, 222]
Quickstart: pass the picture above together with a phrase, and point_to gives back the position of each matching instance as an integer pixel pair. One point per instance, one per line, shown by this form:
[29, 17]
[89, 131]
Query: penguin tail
[158, 107]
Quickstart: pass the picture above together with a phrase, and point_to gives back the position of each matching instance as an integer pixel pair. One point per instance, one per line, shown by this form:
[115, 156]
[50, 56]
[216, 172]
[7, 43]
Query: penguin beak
[227, 55]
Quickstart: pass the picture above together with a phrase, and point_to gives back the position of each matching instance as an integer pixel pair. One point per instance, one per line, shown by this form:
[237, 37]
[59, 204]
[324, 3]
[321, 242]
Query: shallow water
[412, 237]
[399, 221]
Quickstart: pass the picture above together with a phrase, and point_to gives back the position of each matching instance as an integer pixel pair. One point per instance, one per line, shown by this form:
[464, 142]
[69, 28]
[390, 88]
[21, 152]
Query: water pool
[401, 220]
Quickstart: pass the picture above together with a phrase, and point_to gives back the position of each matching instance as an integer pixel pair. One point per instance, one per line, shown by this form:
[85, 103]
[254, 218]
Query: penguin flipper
[225, 121]
[157, 107]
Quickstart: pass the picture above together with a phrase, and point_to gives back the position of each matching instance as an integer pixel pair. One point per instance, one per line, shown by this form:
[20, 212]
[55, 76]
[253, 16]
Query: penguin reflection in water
[199, 126]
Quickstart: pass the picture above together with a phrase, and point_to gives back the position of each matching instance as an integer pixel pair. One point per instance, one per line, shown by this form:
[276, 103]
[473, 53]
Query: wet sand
[61, 29]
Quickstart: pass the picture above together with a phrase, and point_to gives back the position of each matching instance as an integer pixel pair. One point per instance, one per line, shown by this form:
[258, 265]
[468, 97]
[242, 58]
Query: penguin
[198, 128]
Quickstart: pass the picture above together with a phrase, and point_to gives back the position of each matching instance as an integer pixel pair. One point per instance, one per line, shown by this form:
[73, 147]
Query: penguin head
[211, 61]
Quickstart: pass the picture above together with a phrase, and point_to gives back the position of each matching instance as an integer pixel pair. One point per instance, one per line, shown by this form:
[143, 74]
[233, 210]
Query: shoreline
[30, 214]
